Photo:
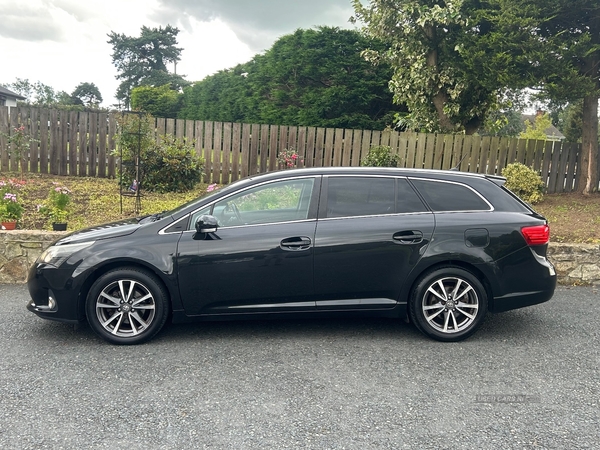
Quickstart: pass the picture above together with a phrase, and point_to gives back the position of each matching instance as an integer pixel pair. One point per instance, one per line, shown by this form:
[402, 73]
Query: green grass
[93, 200]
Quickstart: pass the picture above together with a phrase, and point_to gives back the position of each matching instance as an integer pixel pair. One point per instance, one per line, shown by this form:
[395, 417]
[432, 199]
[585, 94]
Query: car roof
[389, 171]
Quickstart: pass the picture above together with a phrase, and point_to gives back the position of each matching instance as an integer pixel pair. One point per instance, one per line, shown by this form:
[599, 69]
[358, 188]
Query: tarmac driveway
[527, 379]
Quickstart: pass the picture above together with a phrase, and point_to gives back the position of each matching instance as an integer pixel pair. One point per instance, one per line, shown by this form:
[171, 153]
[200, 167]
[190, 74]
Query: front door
[261, 257]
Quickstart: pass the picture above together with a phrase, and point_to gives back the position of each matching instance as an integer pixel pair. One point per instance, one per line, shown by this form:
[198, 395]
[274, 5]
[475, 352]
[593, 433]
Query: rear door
[372, 230]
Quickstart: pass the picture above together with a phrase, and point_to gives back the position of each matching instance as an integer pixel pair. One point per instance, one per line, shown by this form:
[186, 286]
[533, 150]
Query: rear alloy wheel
[448, 304]
[127, 306]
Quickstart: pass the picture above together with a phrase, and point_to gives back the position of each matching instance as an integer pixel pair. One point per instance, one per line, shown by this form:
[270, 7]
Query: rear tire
[448, 304]
[127, 306]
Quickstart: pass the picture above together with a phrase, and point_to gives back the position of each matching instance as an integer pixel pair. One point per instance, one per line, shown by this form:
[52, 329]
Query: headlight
[57, 254]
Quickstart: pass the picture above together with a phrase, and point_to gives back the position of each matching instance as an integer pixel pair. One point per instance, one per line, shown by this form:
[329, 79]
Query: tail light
[536, 235]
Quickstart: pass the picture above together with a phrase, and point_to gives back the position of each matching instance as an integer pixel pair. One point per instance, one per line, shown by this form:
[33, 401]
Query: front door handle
[295, 244]
[408, 237]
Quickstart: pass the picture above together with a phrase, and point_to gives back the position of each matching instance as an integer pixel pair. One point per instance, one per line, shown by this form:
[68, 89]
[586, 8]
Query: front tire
[127, 306]
[448, 304]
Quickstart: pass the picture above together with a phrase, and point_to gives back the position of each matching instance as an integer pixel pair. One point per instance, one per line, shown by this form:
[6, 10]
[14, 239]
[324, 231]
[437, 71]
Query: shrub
[380, 156]
[524, 182]
[170, 166]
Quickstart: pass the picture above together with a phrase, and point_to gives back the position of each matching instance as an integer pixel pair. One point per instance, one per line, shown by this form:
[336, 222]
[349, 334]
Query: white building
[9, 98]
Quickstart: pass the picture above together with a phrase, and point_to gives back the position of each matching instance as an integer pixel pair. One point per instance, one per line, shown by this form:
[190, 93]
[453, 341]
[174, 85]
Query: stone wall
[18, 251]
[575, 263]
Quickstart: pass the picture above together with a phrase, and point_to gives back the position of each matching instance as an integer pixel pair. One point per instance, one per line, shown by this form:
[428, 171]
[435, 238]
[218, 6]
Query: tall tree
[552, 45]
[313, 77]
[225, 96]
[422, 39]
[143, 60]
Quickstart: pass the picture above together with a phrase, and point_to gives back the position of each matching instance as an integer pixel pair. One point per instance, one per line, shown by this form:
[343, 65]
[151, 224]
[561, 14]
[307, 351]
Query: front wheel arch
[112, 265]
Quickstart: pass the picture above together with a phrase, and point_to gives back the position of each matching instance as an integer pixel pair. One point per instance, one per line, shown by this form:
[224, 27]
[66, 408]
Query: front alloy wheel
[127, 306]
[448, 304]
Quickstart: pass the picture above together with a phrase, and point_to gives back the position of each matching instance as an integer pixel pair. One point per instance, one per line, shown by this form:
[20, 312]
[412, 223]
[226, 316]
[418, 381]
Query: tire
[434, 308]
[127, 306]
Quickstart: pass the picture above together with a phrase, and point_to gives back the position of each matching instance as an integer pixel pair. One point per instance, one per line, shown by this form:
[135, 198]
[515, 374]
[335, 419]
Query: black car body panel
[347, 240]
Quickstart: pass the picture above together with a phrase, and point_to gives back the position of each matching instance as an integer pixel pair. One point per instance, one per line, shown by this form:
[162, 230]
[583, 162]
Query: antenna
[456, 168]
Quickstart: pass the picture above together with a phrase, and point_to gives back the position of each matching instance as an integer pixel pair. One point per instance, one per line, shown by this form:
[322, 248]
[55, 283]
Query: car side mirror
[206, 224]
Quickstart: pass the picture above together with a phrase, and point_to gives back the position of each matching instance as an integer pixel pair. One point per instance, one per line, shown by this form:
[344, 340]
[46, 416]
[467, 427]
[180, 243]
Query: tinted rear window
[363, 196]
[356, 196]
[441, 196]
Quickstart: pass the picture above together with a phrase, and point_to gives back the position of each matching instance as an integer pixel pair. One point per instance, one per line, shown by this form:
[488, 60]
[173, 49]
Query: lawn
[573, 218]
[93, 200]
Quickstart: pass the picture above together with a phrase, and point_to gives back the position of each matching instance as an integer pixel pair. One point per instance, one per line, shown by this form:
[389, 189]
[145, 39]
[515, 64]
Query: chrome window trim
[188, 215]
[459, 184]
[376, 215]
[362, 175]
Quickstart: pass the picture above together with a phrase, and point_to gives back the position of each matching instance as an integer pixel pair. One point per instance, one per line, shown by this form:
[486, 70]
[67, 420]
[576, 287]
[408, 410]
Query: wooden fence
[83, 144]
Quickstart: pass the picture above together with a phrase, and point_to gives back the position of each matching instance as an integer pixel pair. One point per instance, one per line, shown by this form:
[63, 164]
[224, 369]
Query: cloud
[29, 22]
[257, 23]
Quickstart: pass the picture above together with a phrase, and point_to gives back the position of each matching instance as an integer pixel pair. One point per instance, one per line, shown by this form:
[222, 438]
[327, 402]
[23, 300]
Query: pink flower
[212, 187]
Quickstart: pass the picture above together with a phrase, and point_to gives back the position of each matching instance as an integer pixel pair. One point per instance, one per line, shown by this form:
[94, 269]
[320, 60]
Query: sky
[62, 43]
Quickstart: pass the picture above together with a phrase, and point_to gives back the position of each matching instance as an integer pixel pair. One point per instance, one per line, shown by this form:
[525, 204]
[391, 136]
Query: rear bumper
[526, 279]
[522, 299]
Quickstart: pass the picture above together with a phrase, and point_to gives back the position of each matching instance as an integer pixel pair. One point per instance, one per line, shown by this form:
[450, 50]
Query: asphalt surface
[528, 379]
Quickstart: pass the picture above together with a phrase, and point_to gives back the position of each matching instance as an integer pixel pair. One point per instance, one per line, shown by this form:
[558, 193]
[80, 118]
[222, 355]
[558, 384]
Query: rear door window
[366, 196]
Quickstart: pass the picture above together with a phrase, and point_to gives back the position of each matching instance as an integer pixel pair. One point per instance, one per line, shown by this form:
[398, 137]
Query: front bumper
[54, 295]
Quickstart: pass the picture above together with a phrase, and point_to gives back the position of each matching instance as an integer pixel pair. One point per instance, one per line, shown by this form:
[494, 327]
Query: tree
[423, 38]
[313, 77]
[552, 45]
[537, 130]
[574, 30]
[223, 97]
[143, 60]
[86, 94]
[505, 122]
[159, 101]
[38, 93]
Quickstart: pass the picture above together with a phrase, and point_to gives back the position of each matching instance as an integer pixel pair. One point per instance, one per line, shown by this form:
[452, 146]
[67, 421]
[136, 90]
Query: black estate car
[440, 248]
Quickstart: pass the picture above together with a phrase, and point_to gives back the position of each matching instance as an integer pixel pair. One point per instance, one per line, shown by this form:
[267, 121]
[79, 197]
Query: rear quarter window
[445, 196]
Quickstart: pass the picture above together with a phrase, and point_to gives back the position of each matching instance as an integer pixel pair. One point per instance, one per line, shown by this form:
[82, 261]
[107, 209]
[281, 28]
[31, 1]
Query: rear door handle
[295, 244]
[408, 237]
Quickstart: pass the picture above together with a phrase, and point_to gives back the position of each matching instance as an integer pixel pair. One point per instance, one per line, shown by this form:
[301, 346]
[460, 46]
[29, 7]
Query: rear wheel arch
[451, 263]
